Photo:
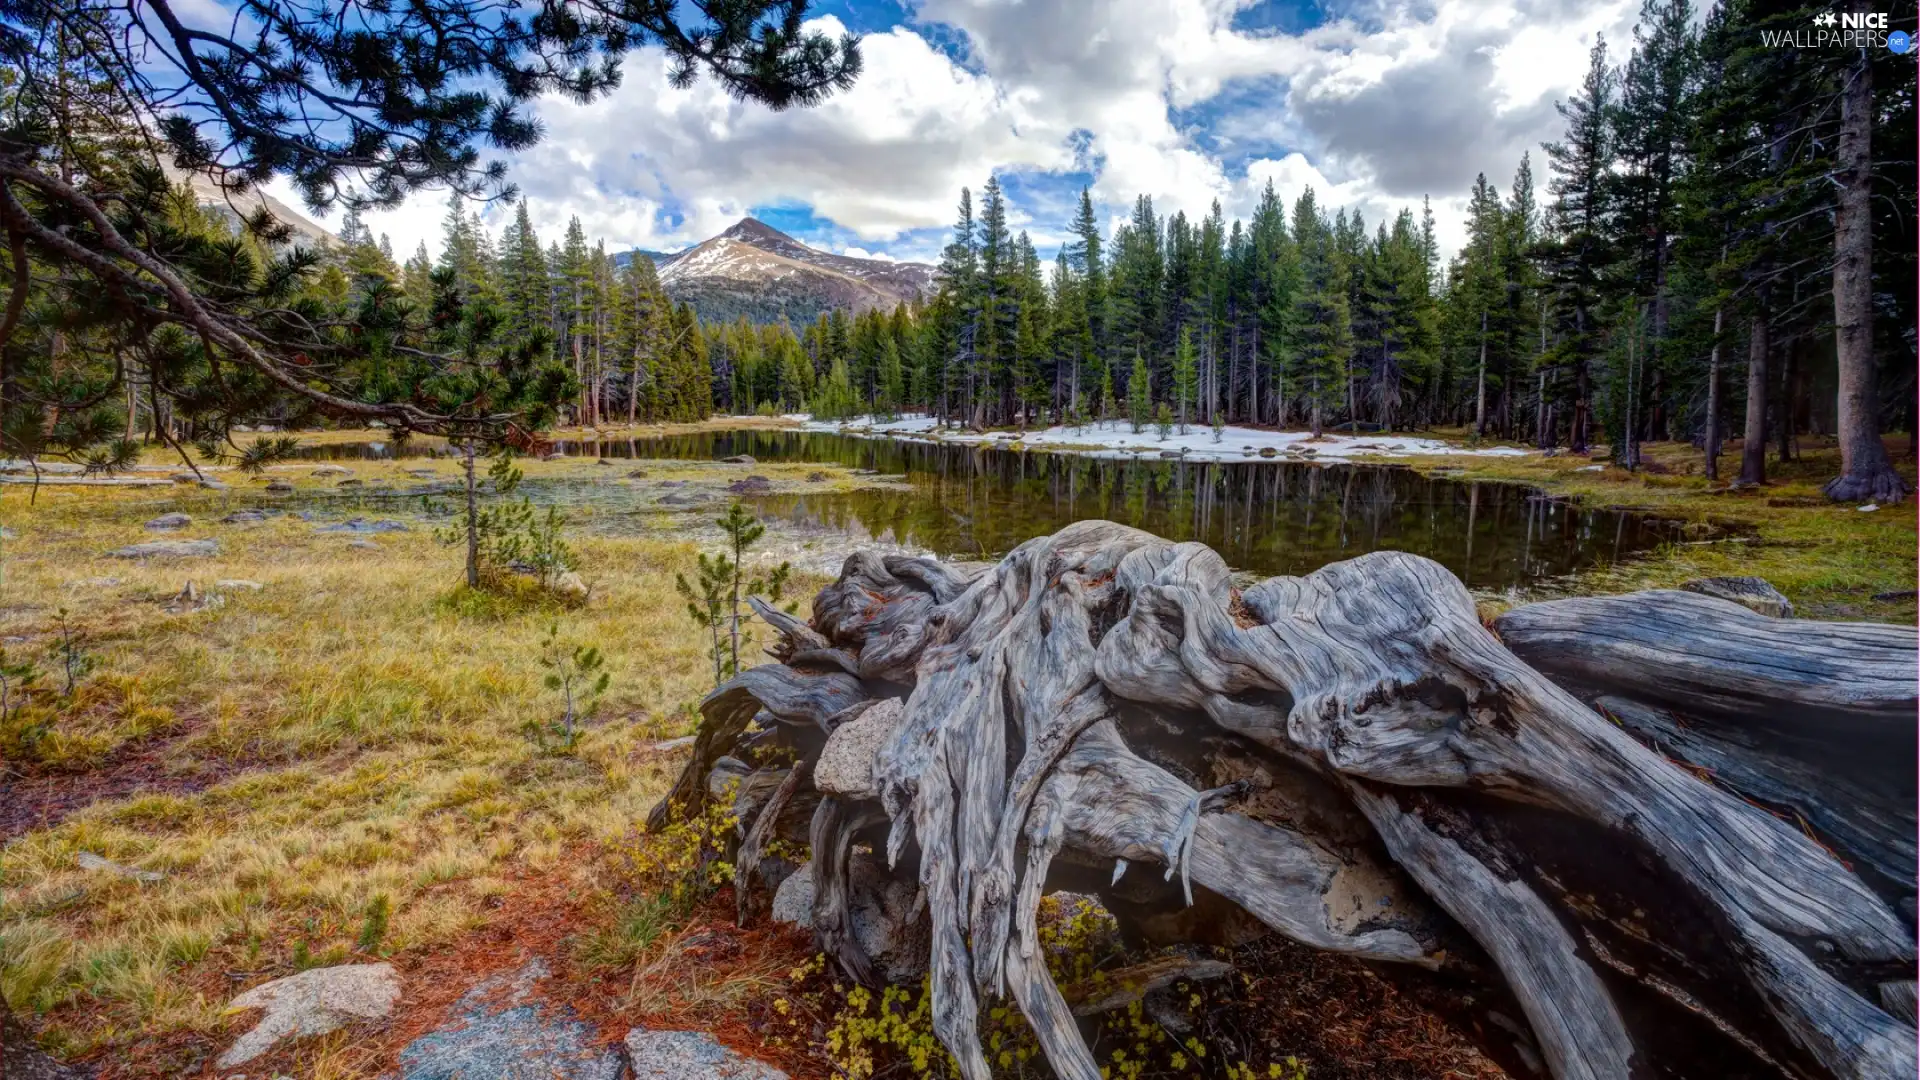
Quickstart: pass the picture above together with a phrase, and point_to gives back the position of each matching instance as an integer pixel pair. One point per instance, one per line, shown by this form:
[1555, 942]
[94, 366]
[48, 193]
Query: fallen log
[1348, 757]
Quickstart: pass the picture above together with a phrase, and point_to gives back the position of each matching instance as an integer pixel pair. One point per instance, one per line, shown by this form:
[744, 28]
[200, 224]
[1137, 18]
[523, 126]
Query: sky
[1373, 104]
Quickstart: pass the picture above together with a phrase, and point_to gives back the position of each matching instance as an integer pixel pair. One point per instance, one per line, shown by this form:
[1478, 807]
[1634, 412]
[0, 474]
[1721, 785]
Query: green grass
[1830, 560]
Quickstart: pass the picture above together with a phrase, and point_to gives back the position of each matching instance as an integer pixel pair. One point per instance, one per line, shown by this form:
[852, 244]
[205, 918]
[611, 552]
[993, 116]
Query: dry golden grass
[351, 730]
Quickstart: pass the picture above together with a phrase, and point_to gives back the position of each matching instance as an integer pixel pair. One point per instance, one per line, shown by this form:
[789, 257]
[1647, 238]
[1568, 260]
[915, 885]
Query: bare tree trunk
[1753, 449]
[1866, 473]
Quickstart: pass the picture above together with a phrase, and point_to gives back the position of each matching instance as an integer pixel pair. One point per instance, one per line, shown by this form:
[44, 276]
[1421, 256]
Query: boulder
[20, 1059]
[499, 1030]
[331, 470]
[846, 763]
[740, 459]
[312, 1003]
[686, 498]
[279, 487]
[690, 1055]
[1268, 451]
[752, 485]
[244, 517]
[1752, 593]
[169, 521]
[167, 549]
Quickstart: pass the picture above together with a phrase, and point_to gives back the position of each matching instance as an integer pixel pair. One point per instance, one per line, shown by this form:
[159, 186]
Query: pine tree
[1184, 376]
[1139, 394]
[1574, 263]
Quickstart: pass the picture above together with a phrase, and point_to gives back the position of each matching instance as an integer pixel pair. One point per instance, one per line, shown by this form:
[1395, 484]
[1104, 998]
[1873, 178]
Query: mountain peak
[751, 229]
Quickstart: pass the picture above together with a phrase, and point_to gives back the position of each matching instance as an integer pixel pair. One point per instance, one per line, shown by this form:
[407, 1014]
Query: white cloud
[1373, 109]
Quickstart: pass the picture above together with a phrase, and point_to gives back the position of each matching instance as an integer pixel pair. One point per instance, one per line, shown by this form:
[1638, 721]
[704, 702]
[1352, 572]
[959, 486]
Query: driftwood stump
[1353, 760]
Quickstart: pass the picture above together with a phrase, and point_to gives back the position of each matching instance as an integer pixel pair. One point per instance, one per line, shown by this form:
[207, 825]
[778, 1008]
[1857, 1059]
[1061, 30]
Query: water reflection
[1263, 517]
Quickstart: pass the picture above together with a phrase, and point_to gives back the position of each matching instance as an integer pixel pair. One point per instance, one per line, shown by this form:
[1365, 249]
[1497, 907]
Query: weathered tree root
[1352, 759]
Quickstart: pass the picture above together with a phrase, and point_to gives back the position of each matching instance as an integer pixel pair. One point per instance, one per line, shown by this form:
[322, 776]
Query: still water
[1264, 517]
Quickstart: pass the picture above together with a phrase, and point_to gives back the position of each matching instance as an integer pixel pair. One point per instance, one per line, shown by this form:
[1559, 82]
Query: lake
[1264, 517]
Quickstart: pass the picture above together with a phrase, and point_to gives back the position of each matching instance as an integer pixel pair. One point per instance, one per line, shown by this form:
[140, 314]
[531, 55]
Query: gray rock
[244, 517]
[673, 483]
[686, 498]
[846, 763]
[690, 1055]
[884, 923]
[752, 485]
[279, 487]
[496, 1033]
[215, 485]
[364, 545]
[238, 585]
[637, 474]
[89, 861]
[363, 526]
[817, 478]
[571, 586]
[348, 483]
[1755, 594]
[1268, 451]
[331, 470]
[1172, 453]
[170, 521]
[167, 549]
[183, 478]
[20, 1059]
[740, 459]
[312, 1003]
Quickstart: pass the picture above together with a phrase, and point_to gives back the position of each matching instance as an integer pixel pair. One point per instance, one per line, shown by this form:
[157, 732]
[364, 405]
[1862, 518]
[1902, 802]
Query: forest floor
[335, 754]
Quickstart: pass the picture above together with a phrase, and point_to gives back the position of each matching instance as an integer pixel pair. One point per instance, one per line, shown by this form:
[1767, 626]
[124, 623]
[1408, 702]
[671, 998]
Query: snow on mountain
[757, 270]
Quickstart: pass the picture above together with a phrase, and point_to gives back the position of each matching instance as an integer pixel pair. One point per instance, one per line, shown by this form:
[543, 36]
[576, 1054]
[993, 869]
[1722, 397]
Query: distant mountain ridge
[754, 269]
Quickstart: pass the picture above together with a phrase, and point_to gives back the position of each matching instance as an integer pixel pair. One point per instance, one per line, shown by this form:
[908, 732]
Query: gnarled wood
[1350, 758]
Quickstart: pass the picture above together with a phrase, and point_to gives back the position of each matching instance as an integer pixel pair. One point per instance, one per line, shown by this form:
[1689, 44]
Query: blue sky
[1373, 104]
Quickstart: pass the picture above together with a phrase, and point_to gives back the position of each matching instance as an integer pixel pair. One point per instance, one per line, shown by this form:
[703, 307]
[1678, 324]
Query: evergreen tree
[1184, 376]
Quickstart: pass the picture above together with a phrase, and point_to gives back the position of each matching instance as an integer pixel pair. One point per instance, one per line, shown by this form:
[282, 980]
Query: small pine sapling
[1163, 421]
[717, 600]
[1219, 426]
[578, 674]
[74, 661]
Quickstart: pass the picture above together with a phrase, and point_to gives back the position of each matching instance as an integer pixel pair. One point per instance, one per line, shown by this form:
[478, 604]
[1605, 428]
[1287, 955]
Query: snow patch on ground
[1117, 439]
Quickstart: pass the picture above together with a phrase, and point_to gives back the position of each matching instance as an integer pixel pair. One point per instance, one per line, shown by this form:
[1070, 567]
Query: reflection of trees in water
[1266, 517]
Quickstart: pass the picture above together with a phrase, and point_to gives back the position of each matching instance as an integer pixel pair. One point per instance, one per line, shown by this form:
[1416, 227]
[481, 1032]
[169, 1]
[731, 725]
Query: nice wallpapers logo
[1842, 30]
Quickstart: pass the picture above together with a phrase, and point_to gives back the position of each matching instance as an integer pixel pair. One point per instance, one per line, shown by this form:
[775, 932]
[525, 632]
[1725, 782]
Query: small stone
[690, 1055]
[348, 484]
[817, 478]
[1868, 509]
[167, 549]
[752, 485]
[279, 487]
[1753, 593]
[169, 521]
[184, 478]
[793, 900]
[244, 517]
[571, 586]
[739, 459]
[846, 762]
[1591, 468]
[363, 545]
[603, 461]
[686, 498]
[331, 470]
[669, 745]
[364, 526]
[312, 1003]
[673, 483]
[1268, 451]
[214, 485]
[89, 861]
[238, 584]
[636, 474]
[1171, 453]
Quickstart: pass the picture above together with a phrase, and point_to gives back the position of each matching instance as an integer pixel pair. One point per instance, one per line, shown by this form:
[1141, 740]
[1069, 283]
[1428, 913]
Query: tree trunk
[1753, 449]
[1355, 762]
[473, 518]
[1866, 472]
[1712, 439]
[1480, 384]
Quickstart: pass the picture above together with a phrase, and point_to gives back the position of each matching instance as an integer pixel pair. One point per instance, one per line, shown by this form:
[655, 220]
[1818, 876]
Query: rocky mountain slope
[233, 207]
[756, 270]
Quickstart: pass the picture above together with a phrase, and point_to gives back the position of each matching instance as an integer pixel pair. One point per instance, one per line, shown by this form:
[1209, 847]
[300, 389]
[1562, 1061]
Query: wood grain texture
[1060, 705]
